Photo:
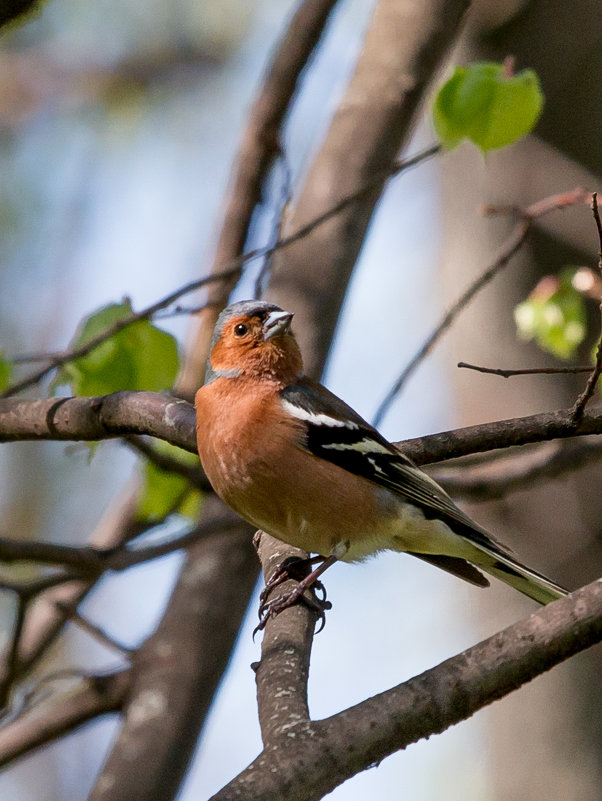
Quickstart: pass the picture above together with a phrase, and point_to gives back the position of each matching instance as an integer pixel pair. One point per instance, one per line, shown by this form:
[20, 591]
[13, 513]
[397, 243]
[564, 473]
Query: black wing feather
[336, 433]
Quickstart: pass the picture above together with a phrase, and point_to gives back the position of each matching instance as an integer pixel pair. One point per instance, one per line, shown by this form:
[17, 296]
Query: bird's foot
[302, 592]
[292, 568]
[309, 582]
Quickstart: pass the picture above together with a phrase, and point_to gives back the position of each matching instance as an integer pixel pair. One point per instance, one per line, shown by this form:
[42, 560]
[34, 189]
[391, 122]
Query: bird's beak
[277, 322]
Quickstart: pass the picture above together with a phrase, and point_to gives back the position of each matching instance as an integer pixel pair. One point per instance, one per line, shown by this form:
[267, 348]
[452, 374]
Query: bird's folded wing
[336, 433]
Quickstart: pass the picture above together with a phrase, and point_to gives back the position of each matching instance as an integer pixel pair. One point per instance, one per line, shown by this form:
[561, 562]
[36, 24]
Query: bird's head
[253, 338]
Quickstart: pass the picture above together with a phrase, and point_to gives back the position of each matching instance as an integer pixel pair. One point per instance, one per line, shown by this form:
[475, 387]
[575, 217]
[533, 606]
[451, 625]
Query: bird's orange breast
[273, 483]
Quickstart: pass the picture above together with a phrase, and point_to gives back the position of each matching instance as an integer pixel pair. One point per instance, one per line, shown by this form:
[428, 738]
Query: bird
[294, 460]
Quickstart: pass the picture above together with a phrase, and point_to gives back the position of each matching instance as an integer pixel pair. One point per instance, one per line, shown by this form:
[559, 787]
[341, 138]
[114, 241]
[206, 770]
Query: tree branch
[177, 670]
[61, 713]
[283, 671]
[104, 417]
[505, 373]
[259, 146]
[585, 396]
[497, 480]
[194, 474]
[508, 249]
[91, 562]
[13, 9]
[357, 738]
[124, 413]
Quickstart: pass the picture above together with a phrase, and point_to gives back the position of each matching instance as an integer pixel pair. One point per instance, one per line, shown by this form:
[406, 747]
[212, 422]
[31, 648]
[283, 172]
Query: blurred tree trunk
[554, 526]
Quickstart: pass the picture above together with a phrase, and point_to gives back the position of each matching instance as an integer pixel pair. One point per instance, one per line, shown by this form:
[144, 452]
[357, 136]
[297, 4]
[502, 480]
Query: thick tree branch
[283, 671]
[12, 9]
[501, 434]
[108, 416]
[353, 740]
[178, 669]
[124, 413]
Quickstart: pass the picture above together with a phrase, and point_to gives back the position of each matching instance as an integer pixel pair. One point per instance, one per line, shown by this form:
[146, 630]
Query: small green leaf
[482, 103]
[140, 356]
[6, 369]
[165, 492]
[554, 315]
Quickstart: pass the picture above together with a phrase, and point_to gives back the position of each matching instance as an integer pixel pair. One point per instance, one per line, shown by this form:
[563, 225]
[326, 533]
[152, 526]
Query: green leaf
[482, 103]
[554, 315]
[6, 369]
[165, 492]
[140, 356]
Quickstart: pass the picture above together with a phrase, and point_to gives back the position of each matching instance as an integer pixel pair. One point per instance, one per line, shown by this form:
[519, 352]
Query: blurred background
[118, 127]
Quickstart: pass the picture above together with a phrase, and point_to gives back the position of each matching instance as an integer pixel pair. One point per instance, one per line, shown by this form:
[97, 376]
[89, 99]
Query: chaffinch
[294, 460]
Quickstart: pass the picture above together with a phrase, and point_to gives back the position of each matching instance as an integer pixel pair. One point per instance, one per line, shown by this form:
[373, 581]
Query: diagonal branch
[178, 668]
[91, 562]
[508, 249]
[259, 147]
[584, 397]
[13, 9]
[353, 740]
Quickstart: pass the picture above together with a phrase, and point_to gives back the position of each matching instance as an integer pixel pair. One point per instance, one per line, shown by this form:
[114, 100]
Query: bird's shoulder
[332, 426]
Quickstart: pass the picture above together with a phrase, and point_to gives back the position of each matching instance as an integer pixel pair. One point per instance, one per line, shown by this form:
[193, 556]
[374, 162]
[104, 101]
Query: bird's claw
[270, 609]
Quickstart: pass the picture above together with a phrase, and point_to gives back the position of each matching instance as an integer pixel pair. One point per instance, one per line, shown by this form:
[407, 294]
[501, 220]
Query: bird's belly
[318, 511]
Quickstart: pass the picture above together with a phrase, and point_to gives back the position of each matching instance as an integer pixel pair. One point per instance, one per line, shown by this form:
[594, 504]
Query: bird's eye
[240, 330]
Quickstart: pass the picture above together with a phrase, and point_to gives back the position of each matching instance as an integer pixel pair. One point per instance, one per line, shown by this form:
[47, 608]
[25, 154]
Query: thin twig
[511, 246]
[278, 223]
[71, 613]
[526, 370]
[583, 399]
[58, 360]
[232, 271]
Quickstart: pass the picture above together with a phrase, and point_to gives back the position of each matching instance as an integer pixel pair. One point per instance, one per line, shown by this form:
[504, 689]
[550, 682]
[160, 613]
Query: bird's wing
[336, 433]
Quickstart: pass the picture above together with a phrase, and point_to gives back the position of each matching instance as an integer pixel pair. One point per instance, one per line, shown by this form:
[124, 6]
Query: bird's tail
[524, 579]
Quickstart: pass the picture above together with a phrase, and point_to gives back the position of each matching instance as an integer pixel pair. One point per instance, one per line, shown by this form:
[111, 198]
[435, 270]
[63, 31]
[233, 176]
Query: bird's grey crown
[252, 308]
